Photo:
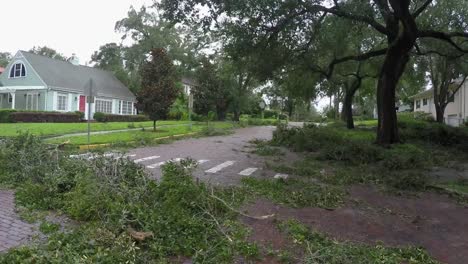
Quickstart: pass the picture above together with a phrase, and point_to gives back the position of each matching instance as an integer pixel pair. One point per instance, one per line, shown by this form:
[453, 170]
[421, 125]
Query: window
[32, 101]
[451, 97]
[424, 101]
[103, 106]
[418, 104]
[17, 70]
[126, 108]
[62, 102]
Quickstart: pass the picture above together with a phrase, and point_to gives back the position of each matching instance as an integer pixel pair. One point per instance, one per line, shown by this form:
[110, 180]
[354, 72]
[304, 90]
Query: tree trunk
[347, 111]
[440, 111]
[400, 42]
[154, 125]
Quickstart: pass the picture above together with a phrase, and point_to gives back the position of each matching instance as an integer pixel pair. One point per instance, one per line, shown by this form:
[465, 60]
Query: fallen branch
[239, 212]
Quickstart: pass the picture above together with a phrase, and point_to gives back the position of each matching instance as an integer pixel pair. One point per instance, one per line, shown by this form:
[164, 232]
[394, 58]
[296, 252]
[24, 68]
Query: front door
[82, 103]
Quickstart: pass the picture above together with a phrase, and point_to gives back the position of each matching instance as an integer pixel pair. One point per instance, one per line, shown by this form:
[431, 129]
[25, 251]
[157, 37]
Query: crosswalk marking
[146, 159]
[248, 172]
[220, 167]
[281, 176]
[159, 164]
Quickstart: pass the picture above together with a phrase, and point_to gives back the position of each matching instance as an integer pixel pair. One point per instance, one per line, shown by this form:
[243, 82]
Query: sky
[68, 26]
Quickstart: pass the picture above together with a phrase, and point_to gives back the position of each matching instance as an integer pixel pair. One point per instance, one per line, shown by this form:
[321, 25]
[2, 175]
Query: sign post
[89, 100]
[190, 106]
[262, 106]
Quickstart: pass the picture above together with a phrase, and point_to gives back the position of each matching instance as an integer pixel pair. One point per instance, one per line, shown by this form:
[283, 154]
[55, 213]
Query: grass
[318, 248]
[137, 136]
[56, 129]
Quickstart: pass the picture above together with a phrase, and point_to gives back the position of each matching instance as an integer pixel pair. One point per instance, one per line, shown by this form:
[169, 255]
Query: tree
[48, 52]
[5, 58]
[448, 75]
[273, 30]
[110, 57]
[158, 91]
[209, 93]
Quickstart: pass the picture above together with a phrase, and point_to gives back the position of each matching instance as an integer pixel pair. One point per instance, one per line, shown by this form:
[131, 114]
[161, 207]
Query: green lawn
[53, 129]
[137, 136]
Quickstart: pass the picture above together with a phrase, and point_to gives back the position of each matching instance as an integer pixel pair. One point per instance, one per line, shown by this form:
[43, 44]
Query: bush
[431, 132]
[81, 114]
[43, 117]
[102, 117]
[405, 156]
[5, 115]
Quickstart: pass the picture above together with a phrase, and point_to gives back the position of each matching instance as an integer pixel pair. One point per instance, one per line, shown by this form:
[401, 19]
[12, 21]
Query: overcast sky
[69, 26]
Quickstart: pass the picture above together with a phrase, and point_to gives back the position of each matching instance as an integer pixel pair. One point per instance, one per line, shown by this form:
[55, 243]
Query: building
[38, 83]
[188, 84]
[456, 112]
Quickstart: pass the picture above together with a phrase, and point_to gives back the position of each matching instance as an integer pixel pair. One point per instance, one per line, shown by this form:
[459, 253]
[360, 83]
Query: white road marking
[202, 161]
[146, 159]
[281, 176]
[130, 156]
[220, 167]
[248, 172]
[159, 164]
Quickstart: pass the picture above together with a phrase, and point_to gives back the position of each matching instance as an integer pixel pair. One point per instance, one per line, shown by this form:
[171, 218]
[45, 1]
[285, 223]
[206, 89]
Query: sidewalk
[13, 231]
[111, 131]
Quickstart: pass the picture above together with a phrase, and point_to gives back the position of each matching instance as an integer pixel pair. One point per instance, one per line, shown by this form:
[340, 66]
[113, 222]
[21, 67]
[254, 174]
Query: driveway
[222, 160]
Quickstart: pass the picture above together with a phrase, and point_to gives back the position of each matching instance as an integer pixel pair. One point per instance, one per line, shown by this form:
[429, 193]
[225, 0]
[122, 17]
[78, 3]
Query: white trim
[19, 88]
[21, 70]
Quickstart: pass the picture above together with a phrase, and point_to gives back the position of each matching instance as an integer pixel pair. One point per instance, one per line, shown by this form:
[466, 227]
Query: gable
[31, 78]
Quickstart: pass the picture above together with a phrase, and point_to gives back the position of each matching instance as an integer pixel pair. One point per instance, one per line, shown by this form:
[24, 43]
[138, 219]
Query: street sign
[90, 99]
[262, 105]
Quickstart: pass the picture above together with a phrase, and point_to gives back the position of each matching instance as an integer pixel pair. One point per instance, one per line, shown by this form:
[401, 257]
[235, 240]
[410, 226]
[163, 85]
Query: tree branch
[447, 37]
[421, 9]
[360, 57]
[337, 11]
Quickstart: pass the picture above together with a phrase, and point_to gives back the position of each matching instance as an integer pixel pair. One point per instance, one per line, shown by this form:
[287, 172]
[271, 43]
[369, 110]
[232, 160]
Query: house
[38, 83]
[456, 112]
[188, 84]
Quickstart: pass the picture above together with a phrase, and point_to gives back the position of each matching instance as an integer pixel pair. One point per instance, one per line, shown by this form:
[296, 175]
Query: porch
[33, 98]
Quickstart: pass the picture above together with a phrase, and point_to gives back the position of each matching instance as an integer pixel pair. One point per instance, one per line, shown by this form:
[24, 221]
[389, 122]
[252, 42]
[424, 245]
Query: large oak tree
[279, 32]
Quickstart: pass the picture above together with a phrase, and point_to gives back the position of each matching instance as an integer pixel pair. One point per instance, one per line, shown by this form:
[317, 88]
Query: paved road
[222, 160]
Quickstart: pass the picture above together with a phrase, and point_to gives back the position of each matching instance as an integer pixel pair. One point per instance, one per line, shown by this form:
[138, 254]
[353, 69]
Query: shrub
[102, 117]
[432, 132]
[44, 117]
[353, 152]
[5, 115]
[81, 114]
[405, 156]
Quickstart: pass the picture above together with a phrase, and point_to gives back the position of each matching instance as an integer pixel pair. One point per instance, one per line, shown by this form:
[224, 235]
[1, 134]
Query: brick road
[13, 231]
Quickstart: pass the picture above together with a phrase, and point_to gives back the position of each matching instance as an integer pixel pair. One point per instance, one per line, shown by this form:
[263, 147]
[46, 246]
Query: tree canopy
[279, 33]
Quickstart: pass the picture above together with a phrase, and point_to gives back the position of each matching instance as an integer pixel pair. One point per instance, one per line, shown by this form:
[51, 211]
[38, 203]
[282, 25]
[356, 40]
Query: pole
[89, 110]
[190, 111]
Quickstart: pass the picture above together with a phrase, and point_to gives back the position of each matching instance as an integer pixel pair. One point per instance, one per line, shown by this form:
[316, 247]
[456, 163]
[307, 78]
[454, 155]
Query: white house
[456, 112]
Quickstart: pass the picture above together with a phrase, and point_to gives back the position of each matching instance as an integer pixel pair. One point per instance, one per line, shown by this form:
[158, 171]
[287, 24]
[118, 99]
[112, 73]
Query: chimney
[74, 60]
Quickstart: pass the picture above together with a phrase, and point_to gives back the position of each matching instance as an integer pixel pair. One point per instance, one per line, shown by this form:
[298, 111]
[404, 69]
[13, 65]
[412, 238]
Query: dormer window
[18, 70]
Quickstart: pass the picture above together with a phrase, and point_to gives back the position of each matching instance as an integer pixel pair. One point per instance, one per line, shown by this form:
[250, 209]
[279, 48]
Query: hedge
[44, 117]
[102, 117]
[5, 115]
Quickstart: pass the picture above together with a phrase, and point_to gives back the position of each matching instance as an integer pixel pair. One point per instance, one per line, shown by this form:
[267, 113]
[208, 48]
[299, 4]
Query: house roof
[424, 94]
[189, 81]
[66, 76]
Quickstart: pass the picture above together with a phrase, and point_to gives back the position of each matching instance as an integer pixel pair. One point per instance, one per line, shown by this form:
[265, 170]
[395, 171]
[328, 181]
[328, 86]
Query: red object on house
[82, 103]
[2, 70]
